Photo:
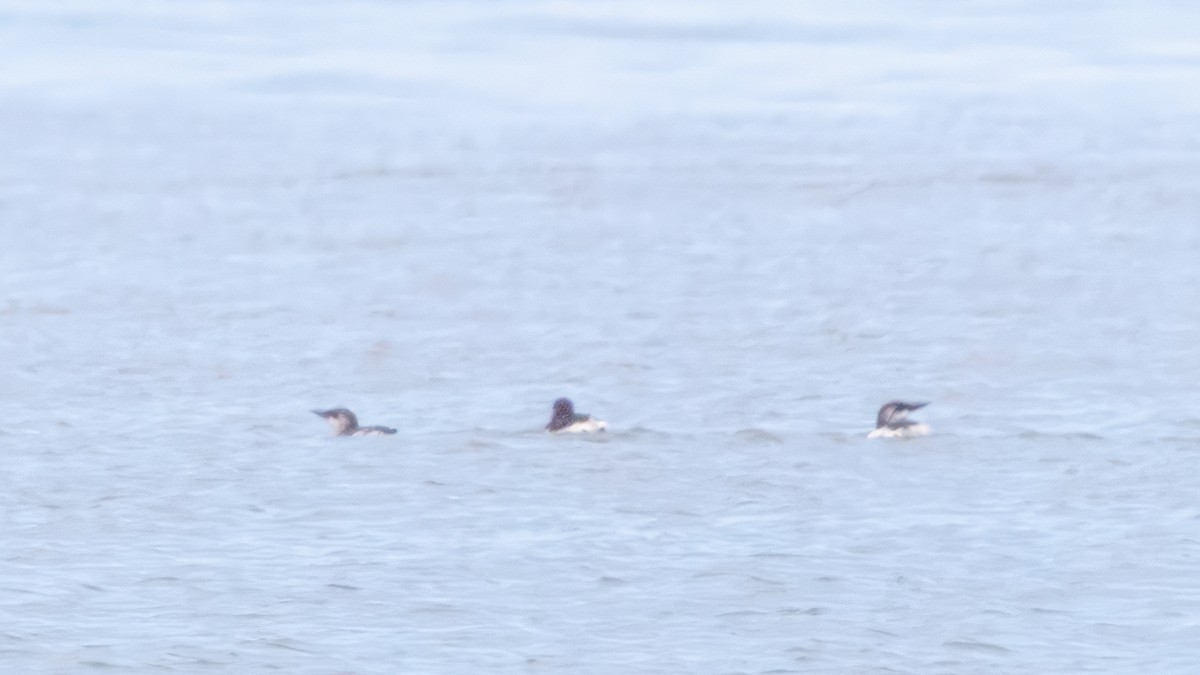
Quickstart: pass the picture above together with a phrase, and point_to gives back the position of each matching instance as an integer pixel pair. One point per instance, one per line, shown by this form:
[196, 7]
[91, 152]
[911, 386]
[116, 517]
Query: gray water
[730, 230]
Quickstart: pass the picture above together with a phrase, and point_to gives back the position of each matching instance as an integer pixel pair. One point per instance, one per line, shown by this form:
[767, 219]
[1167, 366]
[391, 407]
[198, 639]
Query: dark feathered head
[563, 415]
[892, 414]
[341, 420]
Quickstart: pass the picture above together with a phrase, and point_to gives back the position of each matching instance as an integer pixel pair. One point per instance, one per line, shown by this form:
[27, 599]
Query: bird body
[892, 421]
[564, 419]
[345, 423]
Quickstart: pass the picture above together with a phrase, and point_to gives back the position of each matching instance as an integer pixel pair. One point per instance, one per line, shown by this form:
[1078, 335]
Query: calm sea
[732, 230]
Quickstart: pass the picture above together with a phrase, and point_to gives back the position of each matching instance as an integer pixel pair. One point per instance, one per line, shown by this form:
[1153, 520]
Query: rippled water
[731, 231]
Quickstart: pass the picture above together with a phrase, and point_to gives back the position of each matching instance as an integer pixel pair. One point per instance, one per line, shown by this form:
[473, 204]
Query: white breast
[910, 431]
[584, 426]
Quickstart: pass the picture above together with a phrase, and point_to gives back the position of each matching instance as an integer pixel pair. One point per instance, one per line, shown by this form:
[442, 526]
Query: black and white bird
[565, 419]
[344, 423]
[893, 421]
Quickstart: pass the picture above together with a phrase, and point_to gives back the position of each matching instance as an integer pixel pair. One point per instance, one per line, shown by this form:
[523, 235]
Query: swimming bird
[566, 419]
[345, 423]
[892, 421]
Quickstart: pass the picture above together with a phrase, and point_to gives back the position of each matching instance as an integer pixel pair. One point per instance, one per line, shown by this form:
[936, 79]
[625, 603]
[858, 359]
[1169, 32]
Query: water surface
[733, 232]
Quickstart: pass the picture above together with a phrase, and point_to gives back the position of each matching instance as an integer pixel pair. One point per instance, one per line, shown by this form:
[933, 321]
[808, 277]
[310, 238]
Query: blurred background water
[732, 230]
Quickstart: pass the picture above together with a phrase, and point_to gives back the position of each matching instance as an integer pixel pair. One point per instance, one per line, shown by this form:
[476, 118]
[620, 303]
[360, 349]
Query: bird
[892, 421]
[345, 423]
[565, 419]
